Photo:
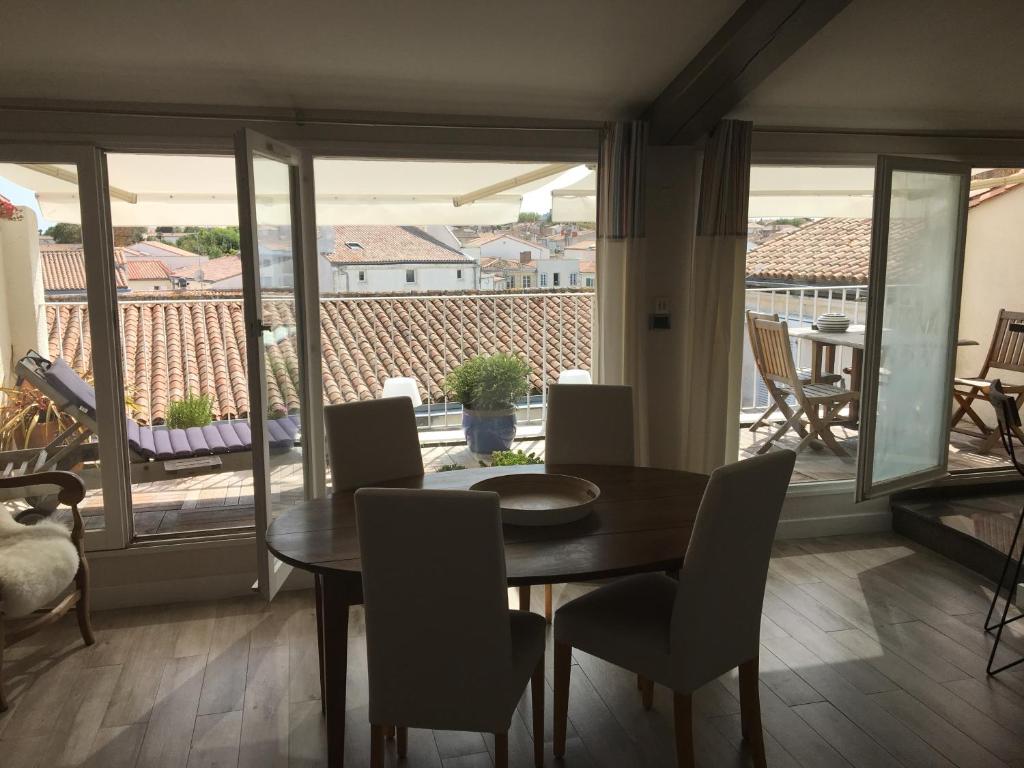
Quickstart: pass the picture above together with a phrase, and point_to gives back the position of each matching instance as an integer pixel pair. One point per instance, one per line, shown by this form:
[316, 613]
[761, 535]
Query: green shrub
[489, 382]
[513, 458]
[449, 468]
[193, 411]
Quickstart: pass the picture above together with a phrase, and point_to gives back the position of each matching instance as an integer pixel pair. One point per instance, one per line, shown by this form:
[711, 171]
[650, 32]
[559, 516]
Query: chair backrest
[372, 441]
[438, 637]
[589, 424]
[716, 621]
[1006, 351]
[769, 341]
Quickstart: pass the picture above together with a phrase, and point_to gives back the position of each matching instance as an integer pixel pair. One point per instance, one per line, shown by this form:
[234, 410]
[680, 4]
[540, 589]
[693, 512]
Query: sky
[538, 201]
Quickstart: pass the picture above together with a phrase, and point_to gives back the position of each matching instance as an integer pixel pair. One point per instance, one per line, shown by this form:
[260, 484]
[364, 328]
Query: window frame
[410, 272]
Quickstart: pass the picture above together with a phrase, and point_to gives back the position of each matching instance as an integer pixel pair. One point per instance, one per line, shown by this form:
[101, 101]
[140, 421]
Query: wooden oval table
[640, 523]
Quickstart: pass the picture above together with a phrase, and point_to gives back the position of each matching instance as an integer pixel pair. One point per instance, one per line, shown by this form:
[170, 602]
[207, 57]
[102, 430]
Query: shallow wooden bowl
[541, 499]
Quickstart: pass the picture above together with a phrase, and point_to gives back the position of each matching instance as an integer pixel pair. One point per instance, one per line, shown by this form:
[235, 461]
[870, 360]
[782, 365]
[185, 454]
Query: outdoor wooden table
[823, 349]
[640, 523]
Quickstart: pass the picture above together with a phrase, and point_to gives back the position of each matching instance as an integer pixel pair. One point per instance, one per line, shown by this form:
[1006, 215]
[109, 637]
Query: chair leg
[793, 421]
[403, 741]
[537, 701]
[318, 599]
[547, 603]
[376, 746]
[82, 607]
[501, 750]
[389, 732]
[763, 418]
[563, 657]
[750, 712]
[646, 686]
[3, 699]
[524, 598]
[683, 713]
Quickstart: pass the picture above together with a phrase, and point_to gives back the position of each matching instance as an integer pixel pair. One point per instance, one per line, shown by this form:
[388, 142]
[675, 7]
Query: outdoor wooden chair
[806, 374]
[819, 403]
[1005, 353]
[39, 561]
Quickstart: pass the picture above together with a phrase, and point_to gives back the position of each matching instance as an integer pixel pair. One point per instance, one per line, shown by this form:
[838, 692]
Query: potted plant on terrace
[488, 386]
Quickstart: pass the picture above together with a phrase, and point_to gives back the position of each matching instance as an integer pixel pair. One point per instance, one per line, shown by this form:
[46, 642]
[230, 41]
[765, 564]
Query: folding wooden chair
[806, 375]
[1005, 353]
[819, 403]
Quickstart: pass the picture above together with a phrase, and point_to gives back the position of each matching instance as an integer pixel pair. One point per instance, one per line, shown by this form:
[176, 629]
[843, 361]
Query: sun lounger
[157, 452]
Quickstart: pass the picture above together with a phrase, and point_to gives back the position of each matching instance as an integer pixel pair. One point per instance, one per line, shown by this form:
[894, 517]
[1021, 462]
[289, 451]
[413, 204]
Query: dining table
[640, 522]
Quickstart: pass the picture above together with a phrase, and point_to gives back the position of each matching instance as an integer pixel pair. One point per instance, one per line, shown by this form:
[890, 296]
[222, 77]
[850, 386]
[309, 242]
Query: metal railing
[799, 306]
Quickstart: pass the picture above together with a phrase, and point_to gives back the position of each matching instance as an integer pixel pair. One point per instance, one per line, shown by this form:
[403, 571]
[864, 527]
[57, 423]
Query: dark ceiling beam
[759, 36]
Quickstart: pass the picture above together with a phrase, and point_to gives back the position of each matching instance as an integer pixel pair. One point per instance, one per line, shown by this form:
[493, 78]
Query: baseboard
[172, 591]
[873, 521]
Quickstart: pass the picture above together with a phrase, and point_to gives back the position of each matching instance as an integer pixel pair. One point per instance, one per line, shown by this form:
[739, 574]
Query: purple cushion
[213, 439]
[179, 443]
[233, 441]
[197, 441]
[162, 444]
[71, 386]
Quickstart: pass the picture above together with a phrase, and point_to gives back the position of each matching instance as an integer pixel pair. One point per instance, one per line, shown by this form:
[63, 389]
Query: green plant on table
[191, 411]
[489, 382]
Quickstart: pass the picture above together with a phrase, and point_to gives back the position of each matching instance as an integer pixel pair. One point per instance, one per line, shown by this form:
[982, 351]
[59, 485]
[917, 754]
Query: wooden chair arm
[72, 491]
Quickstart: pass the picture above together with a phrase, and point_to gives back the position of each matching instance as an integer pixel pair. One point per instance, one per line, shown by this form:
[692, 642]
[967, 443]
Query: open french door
[279, 279]
[917, 254]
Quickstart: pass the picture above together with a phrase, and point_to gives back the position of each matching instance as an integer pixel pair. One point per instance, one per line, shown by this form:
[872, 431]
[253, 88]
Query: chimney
[525, 257]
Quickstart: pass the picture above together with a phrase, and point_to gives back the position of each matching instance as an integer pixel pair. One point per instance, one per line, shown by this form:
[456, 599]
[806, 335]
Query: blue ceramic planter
[489, 431]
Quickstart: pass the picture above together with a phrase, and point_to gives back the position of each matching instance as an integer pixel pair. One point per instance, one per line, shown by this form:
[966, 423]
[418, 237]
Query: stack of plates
[833, 322]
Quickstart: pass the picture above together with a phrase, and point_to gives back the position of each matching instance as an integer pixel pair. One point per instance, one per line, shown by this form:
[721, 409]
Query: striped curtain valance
[620, 185]
[725, 180]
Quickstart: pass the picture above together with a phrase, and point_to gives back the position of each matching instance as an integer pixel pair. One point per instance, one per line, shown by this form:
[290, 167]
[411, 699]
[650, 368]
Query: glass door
[275, 215]
[917, 252]
[62, 402]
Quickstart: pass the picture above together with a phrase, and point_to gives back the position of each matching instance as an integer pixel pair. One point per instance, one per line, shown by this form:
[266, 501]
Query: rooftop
[835, 251]
[197, 345]
[390, 245]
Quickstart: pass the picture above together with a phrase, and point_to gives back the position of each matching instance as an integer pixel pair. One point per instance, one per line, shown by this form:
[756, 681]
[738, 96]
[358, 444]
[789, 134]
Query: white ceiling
[906, 64]
[570, 59]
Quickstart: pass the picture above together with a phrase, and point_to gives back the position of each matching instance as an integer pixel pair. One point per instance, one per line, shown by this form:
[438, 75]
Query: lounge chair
[156, 452]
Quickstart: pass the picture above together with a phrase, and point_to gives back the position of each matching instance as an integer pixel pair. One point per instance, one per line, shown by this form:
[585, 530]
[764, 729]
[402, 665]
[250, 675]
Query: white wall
[509, 248]
[22, 307]
[581, 254]
[563, 267]
[390, 278]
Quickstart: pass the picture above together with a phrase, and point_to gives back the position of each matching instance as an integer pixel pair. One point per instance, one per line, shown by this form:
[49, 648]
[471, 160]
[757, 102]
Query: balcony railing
[799, 306]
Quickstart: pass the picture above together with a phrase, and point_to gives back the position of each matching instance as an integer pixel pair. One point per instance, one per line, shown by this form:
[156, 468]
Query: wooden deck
[872, 656]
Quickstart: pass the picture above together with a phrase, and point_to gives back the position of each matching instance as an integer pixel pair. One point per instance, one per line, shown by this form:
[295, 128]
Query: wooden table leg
[337, 597]
[856, 373]
[816, 350]
[524, 598]
[319, 597]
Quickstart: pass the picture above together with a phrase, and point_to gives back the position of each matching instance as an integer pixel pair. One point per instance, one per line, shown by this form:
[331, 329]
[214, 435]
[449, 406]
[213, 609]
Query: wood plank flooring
[871, 656]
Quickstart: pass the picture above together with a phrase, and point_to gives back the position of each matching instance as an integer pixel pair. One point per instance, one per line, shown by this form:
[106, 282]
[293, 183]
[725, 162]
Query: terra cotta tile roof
[146, 269]
[832, 251]
[390, 245]
[198, 345]
[64, 270]
[214, 270]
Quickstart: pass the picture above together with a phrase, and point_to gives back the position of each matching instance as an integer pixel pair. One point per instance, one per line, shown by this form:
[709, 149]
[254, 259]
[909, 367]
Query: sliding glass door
[917, 251]
[278, 250]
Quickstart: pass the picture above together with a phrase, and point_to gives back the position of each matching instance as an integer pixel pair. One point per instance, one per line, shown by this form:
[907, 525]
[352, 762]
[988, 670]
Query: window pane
[913, 388]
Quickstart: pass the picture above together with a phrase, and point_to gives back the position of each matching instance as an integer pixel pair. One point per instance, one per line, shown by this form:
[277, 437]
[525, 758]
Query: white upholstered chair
[683, 634]
[589, 425]
[586, 425]
[372, 441]
[461, 670]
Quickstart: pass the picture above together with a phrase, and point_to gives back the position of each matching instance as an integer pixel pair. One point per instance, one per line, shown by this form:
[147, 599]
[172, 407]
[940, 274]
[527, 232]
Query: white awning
[174, 190]
[576, 201]
[775, 191]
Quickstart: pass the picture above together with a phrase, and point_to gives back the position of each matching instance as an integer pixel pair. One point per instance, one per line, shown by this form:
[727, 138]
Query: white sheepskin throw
[37, 563]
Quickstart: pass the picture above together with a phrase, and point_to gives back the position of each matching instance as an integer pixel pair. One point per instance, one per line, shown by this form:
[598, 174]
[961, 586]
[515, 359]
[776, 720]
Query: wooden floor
[871, 656]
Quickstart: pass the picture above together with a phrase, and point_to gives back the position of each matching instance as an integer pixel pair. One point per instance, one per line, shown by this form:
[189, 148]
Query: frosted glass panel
[922, 260]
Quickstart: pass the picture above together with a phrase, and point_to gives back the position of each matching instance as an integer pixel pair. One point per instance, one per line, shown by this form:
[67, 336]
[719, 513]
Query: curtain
[712, 324]
[618, 312]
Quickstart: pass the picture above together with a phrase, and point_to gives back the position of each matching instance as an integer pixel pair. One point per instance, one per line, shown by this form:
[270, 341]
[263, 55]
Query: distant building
[504, 245]
[588, 274]
[582, 250]
[507, 275]
[64, 272]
